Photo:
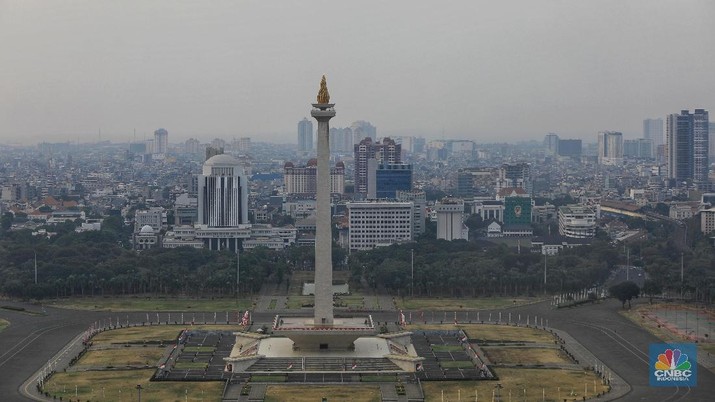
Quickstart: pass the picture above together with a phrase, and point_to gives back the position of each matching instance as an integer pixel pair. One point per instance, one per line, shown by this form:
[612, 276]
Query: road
[31, 340]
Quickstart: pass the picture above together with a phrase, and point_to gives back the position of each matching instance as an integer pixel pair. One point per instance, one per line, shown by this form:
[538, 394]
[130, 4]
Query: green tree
[625, 292]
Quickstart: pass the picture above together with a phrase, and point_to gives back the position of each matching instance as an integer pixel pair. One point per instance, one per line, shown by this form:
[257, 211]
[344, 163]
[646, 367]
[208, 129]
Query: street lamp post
[412, 280]
[238, 274]
[139, 391]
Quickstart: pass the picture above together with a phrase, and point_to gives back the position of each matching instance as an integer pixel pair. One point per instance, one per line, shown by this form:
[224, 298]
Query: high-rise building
[638, 148]
[192, 146]
[223, 193]
[419, 199]
[687, 146]
[653, 130]
[341, 140]
[465, 184]
[551, 144]
[161, 141]
[515, 175]
[304, 180]
[386, 179]
[362, 129]
[711, 141]
[610, 148]
[387, 152]
[305, 135]
[570, 148]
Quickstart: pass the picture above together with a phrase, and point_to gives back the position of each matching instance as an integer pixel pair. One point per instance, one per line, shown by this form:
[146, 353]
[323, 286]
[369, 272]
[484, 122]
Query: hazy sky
[481, 70]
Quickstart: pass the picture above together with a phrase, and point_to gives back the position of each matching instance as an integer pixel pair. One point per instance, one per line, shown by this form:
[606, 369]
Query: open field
[3, 324]
[294, 302]
[505, 333]
[308, 393]
[526, 355]
[487, 303]
[636, 315]
[152, 304]
[555, 385]
[121, 386]
[153, 333]
[134, 356]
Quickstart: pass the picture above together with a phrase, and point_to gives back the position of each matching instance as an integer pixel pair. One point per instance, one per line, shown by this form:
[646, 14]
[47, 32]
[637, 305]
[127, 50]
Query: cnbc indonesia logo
[673, 365]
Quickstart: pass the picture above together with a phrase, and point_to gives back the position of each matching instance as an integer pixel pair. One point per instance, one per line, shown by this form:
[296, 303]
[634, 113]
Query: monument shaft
[323, 112]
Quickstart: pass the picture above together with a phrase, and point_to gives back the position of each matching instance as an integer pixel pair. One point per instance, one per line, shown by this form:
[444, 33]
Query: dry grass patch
[134, 356]
[526, 355]
[307, 393]
[3, 324]
[153, 333]
[636, 315]
[153, 304]
[491, 332]
[488, 303]
[555, 384]
[121, 386]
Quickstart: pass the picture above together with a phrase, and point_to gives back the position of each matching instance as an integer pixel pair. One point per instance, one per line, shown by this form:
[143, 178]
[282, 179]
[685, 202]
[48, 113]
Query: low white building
[450, 219]
[577, 221]
[379, 223]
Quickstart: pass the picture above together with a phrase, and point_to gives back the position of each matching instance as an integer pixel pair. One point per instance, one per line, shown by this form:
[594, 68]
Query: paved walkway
[587, 360]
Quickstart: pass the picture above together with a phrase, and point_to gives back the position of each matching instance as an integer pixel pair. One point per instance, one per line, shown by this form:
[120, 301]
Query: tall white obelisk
[322, 112]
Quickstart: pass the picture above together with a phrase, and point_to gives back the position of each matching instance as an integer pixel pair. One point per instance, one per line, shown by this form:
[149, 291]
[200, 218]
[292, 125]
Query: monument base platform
[306, 335]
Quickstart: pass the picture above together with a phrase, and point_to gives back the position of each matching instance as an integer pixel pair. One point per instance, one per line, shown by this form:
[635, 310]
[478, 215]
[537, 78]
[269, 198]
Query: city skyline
[465, 70]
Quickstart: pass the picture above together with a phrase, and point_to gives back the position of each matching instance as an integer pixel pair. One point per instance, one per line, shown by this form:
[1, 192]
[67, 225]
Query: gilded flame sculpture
[323, 95]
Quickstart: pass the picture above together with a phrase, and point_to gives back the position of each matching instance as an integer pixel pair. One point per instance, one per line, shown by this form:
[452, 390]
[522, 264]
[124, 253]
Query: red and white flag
[290, 366]
[402, 318]
[246, 319]
[354, 366]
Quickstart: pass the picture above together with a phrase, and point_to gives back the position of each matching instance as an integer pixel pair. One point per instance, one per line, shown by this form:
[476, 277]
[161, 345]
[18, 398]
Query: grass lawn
[152, 304]
[149, 355]
[268, 378]
[190, 365]
[121, 386]
[272, 304]
[307, 393]
[447, 348]
[491, 332]
[555, 384]
[199, 349]
[525, 355]
[153, 333]
[351, 301]
[3, 324]
[298, 301]
[485, 303]
[456, 364]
